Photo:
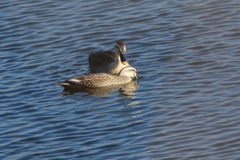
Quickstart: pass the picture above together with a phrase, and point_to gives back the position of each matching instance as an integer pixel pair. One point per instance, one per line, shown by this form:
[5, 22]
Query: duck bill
[123, 60]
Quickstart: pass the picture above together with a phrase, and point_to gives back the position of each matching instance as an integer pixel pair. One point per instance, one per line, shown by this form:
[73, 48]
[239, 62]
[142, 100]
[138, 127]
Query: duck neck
[116, 65]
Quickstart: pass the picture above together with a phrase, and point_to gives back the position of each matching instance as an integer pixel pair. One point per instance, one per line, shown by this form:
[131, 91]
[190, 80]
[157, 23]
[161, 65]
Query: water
[186, 104]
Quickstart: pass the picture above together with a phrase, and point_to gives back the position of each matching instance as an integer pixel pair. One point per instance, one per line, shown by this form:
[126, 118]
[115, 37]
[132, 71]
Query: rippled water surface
[187, 101]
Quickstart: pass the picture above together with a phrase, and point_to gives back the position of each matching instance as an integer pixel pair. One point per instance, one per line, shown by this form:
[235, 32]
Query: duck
[108, 61]
[95, 80]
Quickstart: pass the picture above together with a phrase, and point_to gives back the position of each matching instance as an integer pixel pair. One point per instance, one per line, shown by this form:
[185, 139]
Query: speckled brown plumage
[101, 79]
[125, 89]
[96, 80]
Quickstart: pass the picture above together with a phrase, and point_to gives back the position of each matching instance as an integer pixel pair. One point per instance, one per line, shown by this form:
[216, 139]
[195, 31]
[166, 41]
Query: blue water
[186, 103]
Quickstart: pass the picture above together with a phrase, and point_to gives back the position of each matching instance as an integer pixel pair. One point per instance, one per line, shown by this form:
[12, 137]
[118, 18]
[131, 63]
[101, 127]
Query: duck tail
[63, 83]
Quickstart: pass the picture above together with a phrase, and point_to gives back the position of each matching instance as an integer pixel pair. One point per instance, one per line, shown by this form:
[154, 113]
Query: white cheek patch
[74, 80]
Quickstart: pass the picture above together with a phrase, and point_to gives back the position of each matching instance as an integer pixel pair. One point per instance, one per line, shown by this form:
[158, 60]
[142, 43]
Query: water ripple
[185, 105]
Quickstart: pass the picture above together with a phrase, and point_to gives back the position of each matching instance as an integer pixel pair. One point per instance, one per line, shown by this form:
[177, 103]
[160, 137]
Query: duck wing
[100, 61]
[90, 80]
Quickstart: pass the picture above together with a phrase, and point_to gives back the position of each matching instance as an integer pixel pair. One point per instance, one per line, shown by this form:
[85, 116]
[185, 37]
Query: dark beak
[122, 57]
